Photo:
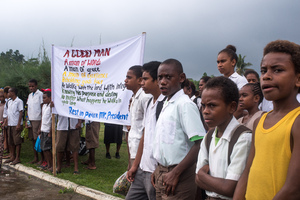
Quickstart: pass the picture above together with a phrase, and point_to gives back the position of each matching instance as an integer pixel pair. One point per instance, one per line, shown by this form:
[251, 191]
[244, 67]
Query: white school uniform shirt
[12, 111]
[137, 107]
[239, 80]
[34, 102]
[178, 122]
[148, 163]
[63, 123]
[218, 156]
[266, 105]
[46, 118]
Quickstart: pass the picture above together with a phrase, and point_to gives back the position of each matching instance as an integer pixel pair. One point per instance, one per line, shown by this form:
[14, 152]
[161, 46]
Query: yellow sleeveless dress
[272, 157]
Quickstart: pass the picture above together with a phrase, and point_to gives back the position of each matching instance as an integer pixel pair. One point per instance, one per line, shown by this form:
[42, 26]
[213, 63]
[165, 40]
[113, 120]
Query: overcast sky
[192, 31]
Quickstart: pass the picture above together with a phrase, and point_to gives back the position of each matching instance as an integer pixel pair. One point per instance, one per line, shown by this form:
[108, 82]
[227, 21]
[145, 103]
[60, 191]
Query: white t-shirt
[12, 111]
[63, 123]
[137, 108]
[178, 122]
[218, 156]
[34, 102]
[46, 118]
[148, 163]
[239, 80]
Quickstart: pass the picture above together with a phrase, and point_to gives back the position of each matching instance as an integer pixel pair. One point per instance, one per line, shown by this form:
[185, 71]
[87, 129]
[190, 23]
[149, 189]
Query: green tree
[241, 65]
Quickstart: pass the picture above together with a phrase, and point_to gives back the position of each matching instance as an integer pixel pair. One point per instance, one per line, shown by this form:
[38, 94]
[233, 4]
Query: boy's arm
[241, 187]
[218, 185]
[290, 189]
[132, 171]
[171, 178]
[126, 138]
[18, 127]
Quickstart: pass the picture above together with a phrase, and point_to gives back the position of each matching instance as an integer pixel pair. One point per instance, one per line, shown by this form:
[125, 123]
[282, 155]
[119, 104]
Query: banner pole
[53, 122]
[53, 146]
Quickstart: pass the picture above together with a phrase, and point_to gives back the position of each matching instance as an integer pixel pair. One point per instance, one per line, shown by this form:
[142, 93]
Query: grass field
[103, 178]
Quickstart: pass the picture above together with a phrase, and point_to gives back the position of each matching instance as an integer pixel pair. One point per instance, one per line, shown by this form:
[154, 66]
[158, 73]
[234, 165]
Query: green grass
[103, 178]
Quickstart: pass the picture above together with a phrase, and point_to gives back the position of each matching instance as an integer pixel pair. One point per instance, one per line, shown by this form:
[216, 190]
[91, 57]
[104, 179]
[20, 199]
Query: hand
[131, 174]
[128, 128]
[78, 125]
[18, 127]
[170, 180]
[153, 179]
[205, 169]
[39, 132]
[51, 104]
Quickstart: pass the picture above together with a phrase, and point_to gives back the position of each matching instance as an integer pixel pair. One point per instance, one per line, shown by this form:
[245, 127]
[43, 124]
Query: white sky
[192, 31]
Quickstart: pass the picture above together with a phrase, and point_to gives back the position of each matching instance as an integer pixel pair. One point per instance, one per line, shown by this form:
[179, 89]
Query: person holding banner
[178, 134]
[67, 139]
[92, 142]
[144, 163]
[133, 82]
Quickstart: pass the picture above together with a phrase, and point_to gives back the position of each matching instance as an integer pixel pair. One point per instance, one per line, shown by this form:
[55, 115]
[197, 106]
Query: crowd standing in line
[235, 138]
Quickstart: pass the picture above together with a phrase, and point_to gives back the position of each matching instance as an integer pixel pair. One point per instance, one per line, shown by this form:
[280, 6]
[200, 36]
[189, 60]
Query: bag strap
[235, 136]
[208, 139]
[149, 102]
[159, 107]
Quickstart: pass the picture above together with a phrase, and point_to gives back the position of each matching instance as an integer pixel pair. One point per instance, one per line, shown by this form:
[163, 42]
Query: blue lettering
[73, 111]
[90, 115]
[117, 116]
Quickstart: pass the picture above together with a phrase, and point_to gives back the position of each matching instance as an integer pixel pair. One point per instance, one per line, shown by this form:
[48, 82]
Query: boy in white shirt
[133, 82]
[217, 174]
[13, 114]
[178, 134]
[45, 130]
[144, 163]
[34, 113]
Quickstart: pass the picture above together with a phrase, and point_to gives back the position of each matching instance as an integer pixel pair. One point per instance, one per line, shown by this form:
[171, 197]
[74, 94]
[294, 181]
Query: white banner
[88, 83]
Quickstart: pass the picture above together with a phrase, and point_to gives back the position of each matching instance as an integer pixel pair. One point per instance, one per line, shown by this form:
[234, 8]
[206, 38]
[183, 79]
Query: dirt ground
[19, 186]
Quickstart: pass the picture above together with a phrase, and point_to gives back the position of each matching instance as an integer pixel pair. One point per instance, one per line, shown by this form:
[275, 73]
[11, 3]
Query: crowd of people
[234, 138]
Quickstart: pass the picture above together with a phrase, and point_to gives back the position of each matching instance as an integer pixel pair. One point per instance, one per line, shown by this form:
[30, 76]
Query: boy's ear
[233, 107]
[298, 80]
[140, 80]
[182, 77]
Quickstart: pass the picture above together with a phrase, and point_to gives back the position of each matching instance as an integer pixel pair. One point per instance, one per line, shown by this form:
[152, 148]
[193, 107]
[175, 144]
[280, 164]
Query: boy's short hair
[251, 71]
[6, 89]
[175, 63]
[14, 90]
[151, 68]
[229, 89]
[33, 81]
[231, 51]
[137, 70]
[285, 46]
[48, 93]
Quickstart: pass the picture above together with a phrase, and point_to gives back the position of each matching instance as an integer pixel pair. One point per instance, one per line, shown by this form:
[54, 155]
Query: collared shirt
[148, 163]
[239, 80]
[137, 108]
[46, 118]
[178, 122]
[34, 105]
[63, 123]
[12, 111]
[218, 156]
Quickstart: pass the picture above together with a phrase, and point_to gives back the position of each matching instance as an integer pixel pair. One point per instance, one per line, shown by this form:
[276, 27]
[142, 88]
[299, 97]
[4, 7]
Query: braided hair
[256, 89]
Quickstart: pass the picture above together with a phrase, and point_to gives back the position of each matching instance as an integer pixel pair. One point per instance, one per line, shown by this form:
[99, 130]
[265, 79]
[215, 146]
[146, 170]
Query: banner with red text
[88, 82]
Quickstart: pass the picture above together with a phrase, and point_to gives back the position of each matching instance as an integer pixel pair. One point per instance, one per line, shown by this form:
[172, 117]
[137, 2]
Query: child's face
[247, 99]
[131, 81]
[32, 87]
[215, 111]
[148, 84]
[46, 99]
[251, 78]
[169, 80]
[278, 77]
[225, 65]
[2, 99]
[201, 86]
[11, 94]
